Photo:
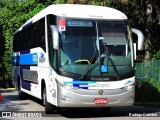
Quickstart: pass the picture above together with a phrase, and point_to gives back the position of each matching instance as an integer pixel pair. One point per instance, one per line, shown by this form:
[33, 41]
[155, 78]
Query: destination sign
[79, 23]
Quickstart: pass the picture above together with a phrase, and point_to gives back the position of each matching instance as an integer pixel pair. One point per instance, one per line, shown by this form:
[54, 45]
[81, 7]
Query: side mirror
[55, 36]
[140, 38]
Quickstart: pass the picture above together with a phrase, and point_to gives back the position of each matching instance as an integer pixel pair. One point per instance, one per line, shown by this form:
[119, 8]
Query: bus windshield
[86, 45]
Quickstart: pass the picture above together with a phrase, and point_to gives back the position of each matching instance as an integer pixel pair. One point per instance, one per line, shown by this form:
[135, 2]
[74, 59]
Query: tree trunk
[149, 29]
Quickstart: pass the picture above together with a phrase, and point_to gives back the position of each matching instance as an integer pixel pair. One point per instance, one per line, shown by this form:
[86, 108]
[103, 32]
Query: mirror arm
[140, 38]
[55, 36]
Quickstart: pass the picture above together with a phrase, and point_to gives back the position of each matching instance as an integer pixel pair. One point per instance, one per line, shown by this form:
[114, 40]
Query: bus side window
[51, 20]
[42, 42]
[41, 35]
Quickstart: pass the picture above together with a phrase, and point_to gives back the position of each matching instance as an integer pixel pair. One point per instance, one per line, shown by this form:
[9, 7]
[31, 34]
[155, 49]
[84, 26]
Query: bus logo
[42, 57]
[101, 92]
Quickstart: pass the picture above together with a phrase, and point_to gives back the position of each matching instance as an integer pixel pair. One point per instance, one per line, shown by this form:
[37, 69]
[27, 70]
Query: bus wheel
[49, 108]
[21, 94]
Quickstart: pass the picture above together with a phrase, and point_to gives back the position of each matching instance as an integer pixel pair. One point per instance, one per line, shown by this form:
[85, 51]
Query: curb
[10, 88]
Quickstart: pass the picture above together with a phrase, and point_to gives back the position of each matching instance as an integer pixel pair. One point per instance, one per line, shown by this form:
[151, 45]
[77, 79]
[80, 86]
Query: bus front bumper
[86, 98]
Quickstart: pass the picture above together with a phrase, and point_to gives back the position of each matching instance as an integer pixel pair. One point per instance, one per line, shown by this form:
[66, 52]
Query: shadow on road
[96, 112]
[11, 101]
[90, 113]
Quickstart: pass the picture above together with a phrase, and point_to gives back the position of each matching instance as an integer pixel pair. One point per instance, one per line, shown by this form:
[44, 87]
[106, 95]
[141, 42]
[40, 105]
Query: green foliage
[156, 56]
[15, 15]
[144, 15]
[59, 1]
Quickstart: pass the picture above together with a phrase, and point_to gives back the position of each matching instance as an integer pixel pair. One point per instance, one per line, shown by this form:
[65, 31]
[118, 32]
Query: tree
[16, 14]
[2, 40]
[152, 21]
[2, 48]
[143, 14]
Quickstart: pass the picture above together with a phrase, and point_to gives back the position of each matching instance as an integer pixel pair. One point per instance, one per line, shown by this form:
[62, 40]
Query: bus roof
[78, 11]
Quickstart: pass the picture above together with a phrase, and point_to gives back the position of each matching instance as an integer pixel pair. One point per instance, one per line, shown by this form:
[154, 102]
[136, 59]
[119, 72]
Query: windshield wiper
[113, 65]
[87, 69]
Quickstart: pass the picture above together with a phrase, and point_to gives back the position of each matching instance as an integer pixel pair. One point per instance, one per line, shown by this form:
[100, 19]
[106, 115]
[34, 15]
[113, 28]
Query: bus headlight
[128, 87]
[68, 87]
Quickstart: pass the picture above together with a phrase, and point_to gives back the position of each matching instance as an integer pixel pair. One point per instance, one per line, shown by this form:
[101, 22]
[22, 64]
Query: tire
[21, 94]
[49, 108]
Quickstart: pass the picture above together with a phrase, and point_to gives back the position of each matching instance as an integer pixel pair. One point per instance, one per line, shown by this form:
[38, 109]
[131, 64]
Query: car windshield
[87, 43]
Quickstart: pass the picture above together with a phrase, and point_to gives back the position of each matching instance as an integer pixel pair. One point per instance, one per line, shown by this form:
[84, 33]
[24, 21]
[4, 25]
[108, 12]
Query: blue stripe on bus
[25, 59]
[80, 82]
[15, 60]
[82, 87]
[28, 59]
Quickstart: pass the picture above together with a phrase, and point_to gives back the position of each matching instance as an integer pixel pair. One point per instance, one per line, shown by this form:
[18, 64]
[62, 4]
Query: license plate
[100, 100]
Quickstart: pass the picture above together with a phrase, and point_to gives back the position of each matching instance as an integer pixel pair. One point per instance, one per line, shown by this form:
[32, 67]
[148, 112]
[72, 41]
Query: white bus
[76, 56]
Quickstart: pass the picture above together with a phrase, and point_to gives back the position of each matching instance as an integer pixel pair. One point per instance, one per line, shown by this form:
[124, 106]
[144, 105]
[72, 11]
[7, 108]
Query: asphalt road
[13, 106]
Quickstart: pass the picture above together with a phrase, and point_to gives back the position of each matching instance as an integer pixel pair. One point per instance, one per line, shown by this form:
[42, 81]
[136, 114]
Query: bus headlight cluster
[128, 87]
[68, 87]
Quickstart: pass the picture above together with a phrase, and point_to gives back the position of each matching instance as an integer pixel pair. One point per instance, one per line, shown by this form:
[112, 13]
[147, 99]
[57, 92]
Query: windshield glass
[78, 41]
[113, 38]
[86, 45]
